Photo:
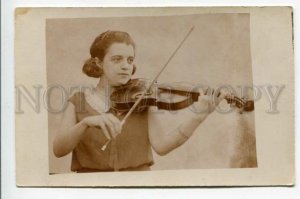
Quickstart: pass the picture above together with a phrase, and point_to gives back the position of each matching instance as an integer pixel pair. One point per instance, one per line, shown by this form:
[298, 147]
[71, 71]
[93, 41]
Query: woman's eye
[116, 59]
[130, 60]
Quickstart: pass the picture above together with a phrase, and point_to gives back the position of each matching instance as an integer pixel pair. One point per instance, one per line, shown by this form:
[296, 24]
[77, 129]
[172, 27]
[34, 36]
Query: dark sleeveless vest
[129, 150]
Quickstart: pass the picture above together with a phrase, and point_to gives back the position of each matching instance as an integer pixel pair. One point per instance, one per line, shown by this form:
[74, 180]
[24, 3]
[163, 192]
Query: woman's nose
[125, 65]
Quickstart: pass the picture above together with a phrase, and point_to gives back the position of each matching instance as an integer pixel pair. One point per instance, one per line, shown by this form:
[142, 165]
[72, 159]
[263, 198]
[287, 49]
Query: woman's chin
[121, 82]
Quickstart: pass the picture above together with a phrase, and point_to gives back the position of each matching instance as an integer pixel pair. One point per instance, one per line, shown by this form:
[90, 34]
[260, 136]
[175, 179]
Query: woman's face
[118, 63]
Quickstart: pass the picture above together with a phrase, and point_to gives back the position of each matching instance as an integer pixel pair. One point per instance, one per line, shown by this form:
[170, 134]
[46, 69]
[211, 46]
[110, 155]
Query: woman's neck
[103, 87]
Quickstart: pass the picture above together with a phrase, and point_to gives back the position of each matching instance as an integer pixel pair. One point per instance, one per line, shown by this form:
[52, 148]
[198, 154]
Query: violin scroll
[242, 103]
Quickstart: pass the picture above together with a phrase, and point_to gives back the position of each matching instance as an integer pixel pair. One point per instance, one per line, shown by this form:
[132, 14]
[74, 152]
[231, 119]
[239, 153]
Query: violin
[165, 96]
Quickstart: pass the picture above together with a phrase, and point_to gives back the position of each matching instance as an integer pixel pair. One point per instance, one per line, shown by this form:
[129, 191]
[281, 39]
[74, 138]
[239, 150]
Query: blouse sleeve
[77, 99]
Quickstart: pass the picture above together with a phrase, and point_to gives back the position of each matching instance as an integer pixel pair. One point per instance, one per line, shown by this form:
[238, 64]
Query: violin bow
[151, 84]
[156, 77]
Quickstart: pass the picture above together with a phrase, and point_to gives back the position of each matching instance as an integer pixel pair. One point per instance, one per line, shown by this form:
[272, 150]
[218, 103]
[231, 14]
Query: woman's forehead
[120, 49]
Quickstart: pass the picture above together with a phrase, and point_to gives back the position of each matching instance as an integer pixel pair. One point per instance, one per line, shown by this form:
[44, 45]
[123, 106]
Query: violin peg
[249, 105]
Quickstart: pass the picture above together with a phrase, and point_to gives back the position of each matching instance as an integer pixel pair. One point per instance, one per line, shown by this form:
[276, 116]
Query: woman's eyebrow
[117, 56]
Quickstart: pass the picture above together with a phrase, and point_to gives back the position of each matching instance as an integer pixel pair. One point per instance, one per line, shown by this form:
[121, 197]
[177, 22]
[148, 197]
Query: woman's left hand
[207, 103]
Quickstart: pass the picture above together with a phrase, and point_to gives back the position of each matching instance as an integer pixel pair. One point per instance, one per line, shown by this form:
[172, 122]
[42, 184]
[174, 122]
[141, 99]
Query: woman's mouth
[123, 74]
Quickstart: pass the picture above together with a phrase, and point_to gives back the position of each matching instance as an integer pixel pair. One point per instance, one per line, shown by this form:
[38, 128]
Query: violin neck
[246, 105]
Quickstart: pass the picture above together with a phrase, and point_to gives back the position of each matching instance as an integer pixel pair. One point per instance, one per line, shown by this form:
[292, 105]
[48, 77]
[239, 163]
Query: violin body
[168, 97]
[124, 97]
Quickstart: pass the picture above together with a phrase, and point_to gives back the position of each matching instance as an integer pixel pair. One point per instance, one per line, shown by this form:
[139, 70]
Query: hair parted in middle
[99, 48]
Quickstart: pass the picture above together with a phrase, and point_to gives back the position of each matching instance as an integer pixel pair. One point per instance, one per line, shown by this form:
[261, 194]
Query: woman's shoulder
[77, 98]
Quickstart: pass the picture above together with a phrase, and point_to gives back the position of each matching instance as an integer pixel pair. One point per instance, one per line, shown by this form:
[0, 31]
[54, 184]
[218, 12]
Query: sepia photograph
[125, 95]
[154, 96]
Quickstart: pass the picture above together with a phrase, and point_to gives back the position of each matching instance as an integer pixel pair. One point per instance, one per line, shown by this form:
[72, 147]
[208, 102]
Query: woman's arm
[70, 132]
[181, 125]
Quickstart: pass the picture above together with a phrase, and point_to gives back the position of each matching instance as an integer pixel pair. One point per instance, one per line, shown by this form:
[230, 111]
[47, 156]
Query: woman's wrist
[187, 128]
[199, 117]
[83, 123]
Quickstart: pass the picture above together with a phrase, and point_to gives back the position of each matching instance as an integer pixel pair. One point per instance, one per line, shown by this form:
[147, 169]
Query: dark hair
[99, 48]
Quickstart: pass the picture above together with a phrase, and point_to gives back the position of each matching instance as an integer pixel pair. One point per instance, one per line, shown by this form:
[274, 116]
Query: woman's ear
[134, 69]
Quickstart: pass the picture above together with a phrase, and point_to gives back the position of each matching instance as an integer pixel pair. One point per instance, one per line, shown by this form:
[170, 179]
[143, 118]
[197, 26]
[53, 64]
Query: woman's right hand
[110, 124]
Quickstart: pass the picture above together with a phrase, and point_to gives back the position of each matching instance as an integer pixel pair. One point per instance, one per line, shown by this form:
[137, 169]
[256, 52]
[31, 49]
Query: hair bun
[91, 68]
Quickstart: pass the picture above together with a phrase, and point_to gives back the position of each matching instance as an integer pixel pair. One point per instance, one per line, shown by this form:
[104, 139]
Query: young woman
[87, 125]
